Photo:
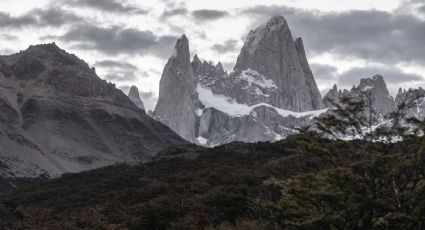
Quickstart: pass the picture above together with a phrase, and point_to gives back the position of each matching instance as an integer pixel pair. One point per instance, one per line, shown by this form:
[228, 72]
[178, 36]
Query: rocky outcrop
[134, 96]
[207, 69]
[271, 91]
[332, 96]
[58, 116]
[372, 90]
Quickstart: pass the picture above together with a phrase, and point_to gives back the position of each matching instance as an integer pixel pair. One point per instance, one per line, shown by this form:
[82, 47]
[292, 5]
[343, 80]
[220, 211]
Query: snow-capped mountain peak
[270, 91]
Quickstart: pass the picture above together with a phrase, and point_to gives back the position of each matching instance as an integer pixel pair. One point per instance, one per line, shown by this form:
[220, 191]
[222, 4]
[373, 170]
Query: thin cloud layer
[117, 40]
[56, 17]
[149, 99]
[8, 37]
[207, 14]
[8, 21]
[422, 9]
[228, 46]
[113, 6]
[40, 18]
[116, 64]
[118, 71]
[174, 12]
[323, 72]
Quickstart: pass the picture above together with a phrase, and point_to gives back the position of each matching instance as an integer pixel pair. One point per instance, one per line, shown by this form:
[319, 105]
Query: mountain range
[270, 92]
[57, 116]
[78, 153]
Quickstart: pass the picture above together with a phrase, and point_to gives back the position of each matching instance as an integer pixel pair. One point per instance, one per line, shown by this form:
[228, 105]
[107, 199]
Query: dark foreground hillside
[299, 183]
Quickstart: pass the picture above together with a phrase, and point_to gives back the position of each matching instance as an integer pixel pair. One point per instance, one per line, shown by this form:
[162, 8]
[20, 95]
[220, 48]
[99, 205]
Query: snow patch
[368, 87]
[234, 109]
[202, 140]
[199, 112]
[253, 77]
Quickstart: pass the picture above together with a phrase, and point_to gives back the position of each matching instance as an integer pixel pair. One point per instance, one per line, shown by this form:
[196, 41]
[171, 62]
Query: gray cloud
[392, 75]
[54, 17]
[124, 88]
[323, 72]
[164, 46]
[174, 12]
[113, 6]
[149, 98]
[228, 46]
[269, 11]
[120, 76]
[118, 71]
[8, 21]
[155, 71]
[147, 94]
[110, 40]
[422, 9]
[387, 37]
[116, 64]
[172, 4]
[206, 14]
[176, 29]
[117, 40]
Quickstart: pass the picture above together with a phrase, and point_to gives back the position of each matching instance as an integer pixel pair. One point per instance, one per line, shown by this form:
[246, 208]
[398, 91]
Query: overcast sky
[129, 41]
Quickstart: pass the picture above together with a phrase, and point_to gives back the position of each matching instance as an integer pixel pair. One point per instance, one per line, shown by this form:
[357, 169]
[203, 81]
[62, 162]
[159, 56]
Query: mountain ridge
[58, 116]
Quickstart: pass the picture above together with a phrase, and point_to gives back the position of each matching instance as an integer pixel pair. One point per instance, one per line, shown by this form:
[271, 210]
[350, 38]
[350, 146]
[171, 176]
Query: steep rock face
[177, 100]
[372, 89]
[58, 116]
[407, 96]
[313, 93]
[134, 96]
[271, 53]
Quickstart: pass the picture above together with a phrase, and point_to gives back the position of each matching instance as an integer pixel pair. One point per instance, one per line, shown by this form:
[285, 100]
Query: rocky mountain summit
[270, 91]
[177, 102]
[271, 55]
[58, 116]
[134, 96]
[372, 90]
